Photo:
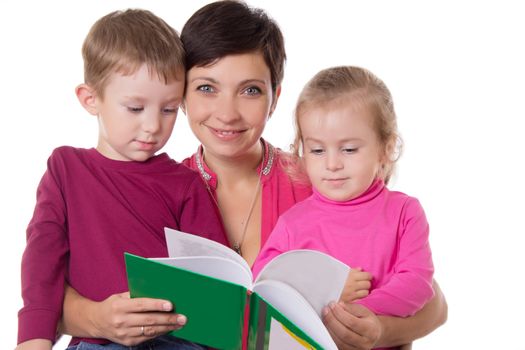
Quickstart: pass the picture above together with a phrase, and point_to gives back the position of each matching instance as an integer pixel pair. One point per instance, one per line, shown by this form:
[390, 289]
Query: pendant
[237, 249]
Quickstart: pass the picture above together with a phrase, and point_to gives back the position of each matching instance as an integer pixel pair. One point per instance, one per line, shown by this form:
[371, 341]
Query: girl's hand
[357, 285]
[352, 326]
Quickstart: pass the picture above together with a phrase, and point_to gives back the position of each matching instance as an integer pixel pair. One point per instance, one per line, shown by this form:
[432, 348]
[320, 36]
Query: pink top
[279, 193]
[382, 231]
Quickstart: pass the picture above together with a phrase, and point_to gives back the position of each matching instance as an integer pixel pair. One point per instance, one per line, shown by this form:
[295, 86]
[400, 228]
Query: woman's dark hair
[232, 27]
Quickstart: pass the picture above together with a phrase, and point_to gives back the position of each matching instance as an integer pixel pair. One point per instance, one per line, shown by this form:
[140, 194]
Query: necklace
[237, 246]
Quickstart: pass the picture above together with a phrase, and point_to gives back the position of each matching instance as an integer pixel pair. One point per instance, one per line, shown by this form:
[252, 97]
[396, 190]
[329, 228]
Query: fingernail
[166, 306]
[331, 305]
[181, 320]
[324, 311]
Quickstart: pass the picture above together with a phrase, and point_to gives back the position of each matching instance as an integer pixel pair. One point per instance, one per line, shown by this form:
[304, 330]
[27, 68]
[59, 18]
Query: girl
[347, 140]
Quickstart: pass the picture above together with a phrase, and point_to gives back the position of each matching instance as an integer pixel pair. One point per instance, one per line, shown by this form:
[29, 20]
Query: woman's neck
[231, 170]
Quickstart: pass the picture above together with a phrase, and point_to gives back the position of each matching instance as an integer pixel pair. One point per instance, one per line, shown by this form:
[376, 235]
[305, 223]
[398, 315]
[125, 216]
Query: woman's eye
[252, 91]
[205, 88]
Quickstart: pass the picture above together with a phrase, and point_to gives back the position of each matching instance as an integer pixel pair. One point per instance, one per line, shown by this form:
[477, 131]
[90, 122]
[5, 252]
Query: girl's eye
[349, 150]
[252, 91]
[317, 151]
[205, 88]
[134, 109]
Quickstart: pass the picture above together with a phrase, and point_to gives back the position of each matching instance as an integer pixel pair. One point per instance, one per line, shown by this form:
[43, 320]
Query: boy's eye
[169, 110]
[252, 91]
[205, 88]
[135, 109]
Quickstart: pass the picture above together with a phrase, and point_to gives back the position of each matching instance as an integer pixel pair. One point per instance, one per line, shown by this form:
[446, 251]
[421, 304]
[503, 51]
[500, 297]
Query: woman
[235, 60]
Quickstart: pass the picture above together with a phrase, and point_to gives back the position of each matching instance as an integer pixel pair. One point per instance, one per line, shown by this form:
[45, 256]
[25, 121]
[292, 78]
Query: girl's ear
[87, 98]
[275, 99]
[183, 107]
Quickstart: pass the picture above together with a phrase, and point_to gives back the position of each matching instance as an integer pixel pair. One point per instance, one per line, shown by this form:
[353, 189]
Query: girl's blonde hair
[348, 84]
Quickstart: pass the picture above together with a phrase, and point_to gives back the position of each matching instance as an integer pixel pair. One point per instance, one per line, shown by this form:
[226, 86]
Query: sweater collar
[211, 178]
[135, 166]
[372, 192]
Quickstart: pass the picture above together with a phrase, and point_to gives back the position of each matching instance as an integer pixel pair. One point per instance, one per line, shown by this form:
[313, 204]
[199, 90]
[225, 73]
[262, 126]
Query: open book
[213, 286]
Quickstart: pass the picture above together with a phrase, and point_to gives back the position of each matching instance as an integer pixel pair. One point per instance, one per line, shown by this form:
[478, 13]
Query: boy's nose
[151, 123]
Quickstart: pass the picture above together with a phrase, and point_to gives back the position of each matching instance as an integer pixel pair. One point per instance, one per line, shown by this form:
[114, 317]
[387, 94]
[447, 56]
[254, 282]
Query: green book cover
[214, 287]
[215, 308]
[270, 329]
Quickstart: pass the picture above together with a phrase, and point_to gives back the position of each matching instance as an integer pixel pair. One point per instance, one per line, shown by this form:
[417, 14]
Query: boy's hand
[35, 344]
[357, 285]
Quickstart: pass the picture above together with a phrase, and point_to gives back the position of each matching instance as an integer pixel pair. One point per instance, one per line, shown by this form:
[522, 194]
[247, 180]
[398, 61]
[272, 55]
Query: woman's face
[228, 103]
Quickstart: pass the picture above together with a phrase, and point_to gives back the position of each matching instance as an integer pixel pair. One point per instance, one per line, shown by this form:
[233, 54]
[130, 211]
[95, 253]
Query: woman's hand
[352, 326]
[35, 344]
[118, 318]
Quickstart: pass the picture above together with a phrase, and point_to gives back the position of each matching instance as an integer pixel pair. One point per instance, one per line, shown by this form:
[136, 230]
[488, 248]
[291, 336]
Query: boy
[95, 204]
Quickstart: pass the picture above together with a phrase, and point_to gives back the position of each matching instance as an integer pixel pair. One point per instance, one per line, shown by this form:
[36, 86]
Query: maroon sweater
[89, 211]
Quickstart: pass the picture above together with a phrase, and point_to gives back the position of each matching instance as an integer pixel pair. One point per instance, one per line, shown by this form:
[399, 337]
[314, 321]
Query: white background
[455, 69]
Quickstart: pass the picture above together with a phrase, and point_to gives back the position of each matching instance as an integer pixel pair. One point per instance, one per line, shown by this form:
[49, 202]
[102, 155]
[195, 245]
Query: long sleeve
[44, 263]
[410, 285]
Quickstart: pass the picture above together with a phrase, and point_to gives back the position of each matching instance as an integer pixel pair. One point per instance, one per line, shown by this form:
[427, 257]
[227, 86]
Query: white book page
[217, 267]
[281, 338]
[318, 277]
[184, 244]
[292, 305]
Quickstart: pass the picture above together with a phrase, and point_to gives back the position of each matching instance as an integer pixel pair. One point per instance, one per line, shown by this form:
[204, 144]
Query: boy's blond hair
[122, 41]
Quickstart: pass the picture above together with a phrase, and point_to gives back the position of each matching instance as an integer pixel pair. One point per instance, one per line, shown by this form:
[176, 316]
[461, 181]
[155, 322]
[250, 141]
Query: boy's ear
[275, 99]
[87, 98]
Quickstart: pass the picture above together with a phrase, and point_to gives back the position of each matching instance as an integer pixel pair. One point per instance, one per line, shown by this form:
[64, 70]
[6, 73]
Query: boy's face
[342, 153]
[136, 115]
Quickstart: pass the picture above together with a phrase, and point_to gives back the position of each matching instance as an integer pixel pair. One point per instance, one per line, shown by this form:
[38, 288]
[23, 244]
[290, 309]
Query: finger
[362, 276]
[124, 295]
[363, 285]
[148, 305]
[358, 313]
[154, 325]
[361, 293]
[338, 322]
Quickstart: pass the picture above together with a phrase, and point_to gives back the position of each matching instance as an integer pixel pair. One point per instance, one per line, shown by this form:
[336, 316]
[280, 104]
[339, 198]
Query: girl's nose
[333, 161]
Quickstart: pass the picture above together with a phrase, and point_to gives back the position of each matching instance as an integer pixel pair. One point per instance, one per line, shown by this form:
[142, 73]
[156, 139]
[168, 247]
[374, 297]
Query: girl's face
[341, 150]
[228, 104]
